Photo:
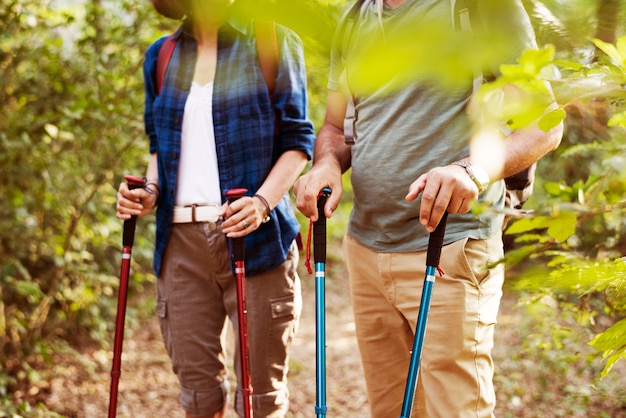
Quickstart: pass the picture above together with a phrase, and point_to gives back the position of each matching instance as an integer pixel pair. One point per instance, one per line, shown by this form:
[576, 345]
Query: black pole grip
[237, 244]
[128, 237]
[239, 252]
[319, 228]
[435, 242]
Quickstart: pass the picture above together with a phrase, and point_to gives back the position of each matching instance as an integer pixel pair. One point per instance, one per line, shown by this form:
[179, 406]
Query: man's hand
[308, 187]
[444, 189]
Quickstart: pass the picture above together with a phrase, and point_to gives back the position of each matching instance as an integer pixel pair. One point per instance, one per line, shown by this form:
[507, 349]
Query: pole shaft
[238, 254]
[244, 348]
[420, 333]
[118, 341]
[319, 255]
[320, 340]
[433, 255]
[128, 239]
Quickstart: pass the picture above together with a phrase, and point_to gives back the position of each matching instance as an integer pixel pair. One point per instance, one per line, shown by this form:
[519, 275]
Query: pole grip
[319, 228]
[237, 244]
[435, 242]
[128, 237]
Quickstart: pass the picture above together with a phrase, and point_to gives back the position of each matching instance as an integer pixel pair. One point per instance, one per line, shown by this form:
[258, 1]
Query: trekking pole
[319, 256]
[238, 248]
[127, 242]
[433, 254]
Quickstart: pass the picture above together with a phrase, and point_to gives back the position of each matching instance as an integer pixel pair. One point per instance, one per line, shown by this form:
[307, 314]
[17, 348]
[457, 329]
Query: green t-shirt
[407, 126]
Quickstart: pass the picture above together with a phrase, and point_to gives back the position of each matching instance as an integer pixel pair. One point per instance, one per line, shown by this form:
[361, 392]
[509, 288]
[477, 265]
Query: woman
[212, 128]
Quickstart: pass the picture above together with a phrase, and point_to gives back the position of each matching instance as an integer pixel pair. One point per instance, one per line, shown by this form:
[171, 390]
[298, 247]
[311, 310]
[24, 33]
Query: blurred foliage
[578, 234]
[71, 96]
[71, 88]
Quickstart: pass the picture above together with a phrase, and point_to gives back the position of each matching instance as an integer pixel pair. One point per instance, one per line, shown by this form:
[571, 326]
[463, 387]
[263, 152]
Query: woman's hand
[137, 202]
[242, 216]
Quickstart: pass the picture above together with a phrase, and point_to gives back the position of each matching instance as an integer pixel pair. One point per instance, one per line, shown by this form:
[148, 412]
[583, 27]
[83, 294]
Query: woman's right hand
[137, 202]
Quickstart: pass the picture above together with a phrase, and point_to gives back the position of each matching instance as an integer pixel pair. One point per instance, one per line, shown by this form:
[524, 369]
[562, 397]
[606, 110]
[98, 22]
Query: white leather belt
[196, 213]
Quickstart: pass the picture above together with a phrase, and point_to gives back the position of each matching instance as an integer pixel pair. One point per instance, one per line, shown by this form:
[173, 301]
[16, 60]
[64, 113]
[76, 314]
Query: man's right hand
[307, 189]
[332, 157]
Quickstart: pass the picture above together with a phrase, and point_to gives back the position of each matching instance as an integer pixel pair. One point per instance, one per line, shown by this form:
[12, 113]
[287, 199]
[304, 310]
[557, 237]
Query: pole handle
[435, 242]
[238, 245]
[319, 228]
[134, 182]
[128, 237]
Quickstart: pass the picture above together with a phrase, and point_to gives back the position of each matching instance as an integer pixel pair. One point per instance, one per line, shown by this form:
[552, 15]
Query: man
[211, 129]
[413, 140]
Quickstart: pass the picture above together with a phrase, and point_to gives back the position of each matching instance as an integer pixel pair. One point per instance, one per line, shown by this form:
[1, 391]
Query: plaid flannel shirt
[243, 125]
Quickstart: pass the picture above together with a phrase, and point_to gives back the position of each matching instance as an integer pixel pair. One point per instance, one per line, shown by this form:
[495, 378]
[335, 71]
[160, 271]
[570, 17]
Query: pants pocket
[161, 308]
[283, 307]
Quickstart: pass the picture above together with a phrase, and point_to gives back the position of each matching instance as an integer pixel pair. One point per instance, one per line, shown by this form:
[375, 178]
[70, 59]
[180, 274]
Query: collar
[236, 20]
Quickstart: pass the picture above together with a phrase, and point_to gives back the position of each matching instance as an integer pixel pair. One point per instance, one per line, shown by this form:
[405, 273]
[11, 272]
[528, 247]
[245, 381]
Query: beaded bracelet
[267, 208]
[157, 189]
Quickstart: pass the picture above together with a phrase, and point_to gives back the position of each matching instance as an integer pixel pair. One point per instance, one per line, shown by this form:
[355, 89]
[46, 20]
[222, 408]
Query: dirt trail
[149, 389]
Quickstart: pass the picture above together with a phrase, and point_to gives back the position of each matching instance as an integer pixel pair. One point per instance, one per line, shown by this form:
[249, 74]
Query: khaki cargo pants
[456, 370]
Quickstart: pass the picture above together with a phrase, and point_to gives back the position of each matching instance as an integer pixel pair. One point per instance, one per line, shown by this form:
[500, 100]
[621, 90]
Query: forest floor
[148, 388]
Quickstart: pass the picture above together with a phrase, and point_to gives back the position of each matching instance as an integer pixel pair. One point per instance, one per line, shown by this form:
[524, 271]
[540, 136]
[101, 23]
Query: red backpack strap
[267, 49]
[165, 54]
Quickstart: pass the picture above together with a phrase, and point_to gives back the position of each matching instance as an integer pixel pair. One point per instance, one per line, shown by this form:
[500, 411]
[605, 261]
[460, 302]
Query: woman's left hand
[242, 216]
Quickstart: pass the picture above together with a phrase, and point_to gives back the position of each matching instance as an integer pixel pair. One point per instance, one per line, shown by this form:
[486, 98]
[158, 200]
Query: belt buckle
[193, 213]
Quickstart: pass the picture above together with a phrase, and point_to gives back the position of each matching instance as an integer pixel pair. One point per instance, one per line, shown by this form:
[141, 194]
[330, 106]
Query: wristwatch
[477, 174]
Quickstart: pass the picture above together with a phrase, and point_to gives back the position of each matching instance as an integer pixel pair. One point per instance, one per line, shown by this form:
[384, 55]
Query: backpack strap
[351, 19]
[464, 12]
[165, 54]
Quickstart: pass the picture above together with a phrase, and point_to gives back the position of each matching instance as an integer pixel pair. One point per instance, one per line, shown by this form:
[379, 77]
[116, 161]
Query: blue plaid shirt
[243, 125]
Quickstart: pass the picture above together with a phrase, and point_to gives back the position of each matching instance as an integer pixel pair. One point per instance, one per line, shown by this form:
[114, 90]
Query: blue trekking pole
[319, 256]
[433, 254]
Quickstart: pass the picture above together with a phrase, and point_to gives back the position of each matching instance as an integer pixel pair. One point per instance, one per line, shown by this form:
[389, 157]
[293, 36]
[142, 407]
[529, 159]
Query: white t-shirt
[198, 176]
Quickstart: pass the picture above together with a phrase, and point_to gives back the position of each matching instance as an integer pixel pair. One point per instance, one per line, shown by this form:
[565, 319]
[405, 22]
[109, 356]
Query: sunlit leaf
[552, 119]
[613, 343]
[618, 119]
[559, 227]
[612, 51]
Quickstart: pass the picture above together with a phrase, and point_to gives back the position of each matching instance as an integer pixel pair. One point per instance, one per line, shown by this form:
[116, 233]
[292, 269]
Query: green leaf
[555, 189]
[552, 119]
[618, 119]
[30, 290]
[612, 51]
[563, 227]
[559, 227]
[613, 344]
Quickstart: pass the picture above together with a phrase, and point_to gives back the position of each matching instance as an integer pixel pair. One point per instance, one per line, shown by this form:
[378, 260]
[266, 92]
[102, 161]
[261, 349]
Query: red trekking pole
[127, 242]
[244, 348]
